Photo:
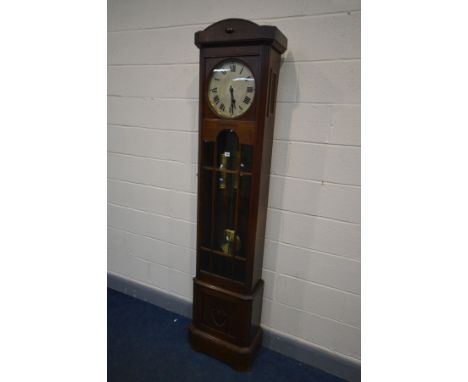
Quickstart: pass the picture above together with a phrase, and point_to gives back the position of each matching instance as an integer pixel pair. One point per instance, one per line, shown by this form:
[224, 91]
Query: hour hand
[233, 100]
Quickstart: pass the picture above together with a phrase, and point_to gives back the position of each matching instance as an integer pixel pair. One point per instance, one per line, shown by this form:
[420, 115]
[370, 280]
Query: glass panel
[228, 150]
[205, 261]
[208, 153]
[222, 265]
[243, 213]
[205, 208]
[226, 237]
[225, 234]
[246, 158]
[239, 270]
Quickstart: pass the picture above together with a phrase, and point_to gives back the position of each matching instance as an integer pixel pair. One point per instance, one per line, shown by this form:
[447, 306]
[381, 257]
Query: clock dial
[231, 89]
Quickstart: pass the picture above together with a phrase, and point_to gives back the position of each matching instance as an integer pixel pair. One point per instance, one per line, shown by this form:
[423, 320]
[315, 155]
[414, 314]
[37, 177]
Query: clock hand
[233, 100]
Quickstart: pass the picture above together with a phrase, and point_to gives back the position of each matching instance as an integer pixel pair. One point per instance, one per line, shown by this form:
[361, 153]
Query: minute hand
[233, 100]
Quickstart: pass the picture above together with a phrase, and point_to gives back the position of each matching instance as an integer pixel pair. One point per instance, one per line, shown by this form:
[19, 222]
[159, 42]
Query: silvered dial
[231, 89]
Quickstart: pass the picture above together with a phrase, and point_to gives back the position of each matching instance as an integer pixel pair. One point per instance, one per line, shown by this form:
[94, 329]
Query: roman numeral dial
[231, 89]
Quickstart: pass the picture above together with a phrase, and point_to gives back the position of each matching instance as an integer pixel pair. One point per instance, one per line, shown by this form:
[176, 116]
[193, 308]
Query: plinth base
[240, 358]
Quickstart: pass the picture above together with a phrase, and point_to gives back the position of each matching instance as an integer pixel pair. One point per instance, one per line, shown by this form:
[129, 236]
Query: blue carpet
[148, 344]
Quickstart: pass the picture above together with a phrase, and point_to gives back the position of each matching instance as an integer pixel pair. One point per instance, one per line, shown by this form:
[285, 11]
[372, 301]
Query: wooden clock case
[228, 289]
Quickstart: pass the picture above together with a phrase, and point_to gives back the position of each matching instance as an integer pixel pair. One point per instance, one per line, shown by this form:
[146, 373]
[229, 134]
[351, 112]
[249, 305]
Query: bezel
[207, 90]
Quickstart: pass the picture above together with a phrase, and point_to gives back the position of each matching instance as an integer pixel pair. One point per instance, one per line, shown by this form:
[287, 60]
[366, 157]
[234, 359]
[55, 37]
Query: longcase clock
[239, 68]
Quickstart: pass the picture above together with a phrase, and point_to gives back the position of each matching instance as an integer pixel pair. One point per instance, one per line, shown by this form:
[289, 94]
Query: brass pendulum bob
[231, 242]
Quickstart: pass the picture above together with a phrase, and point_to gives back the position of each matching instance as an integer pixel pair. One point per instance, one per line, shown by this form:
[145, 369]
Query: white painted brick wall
[312, 251]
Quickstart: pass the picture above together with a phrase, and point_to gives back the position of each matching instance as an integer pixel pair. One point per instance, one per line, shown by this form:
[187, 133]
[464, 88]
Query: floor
[146, 343]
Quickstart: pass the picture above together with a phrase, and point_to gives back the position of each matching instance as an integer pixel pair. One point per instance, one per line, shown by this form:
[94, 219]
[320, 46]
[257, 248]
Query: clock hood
[240, 32]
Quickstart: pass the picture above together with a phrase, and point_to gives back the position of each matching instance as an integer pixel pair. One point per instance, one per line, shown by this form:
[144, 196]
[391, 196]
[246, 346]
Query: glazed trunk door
[225, 200]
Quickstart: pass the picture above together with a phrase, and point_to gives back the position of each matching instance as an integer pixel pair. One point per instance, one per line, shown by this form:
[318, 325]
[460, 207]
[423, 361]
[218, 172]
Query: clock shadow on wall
[283, 120]
[281, 155]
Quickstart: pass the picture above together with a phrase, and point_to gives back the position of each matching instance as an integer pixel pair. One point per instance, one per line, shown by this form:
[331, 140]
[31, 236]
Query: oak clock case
[239, 68]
